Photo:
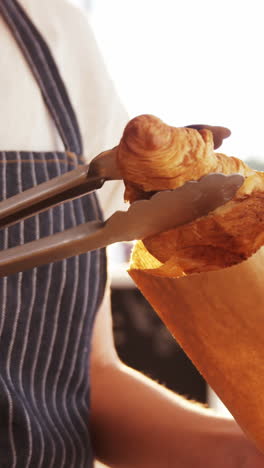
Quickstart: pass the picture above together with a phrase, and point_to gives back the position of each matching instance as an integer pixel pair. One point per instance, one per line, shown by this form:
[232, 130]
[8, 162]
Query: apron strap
[45, 70]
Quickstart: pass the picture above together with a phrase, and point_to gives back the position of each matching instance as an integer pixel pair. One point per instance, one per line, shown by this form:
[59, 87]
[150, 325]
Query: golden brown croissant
[214, 315]
[153, 156]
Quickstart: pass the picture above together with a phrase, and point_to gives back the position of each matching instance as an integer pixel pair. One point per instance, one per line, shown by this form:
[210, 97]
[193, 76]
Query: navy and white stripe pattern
[46, 314]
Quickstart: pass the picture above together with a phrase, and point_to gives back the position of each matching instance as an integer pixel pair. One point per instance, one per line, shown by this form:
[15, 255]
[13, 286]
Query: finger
[219, 133]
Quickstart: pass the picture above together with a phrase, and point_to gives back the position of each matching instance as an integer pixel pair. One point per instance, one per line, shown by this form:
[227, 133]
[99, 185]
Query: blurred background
[186, 62]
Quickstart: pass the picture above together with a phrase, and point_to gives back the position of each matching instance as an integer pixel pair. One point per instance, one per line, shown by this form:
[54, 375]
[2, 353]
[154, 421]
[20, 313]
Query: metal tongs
[143, 218]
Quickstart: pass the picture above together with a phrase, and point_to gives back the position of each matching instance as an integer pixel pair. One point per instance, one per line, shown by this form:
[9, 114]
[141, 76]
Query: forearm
[137, 423]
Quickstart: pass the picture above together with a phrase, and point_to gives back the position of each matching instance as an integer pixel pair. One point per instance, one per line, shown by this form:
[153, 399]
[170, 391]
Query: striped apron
[47, 313]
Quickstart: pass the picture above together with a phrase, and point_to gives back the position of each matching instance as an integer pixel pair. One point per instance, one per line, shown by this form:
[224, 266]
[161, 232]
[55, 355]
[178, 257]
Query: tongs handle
[73, 241]
[63, 188]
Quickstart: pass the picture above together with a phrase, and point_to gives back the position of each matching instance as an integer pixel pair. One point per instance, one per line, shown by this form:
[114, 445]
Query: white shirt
[25, 123]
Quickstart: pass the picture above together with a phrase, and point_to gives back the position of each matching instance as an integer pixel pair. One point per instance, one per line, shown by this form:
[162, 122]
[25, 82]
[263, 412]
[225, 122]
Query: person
[65, 396]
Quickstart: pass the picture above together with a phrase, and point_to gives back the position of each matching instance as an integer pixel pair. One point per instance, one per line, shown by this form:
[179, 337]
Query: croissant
[153, 156]
[215, 316]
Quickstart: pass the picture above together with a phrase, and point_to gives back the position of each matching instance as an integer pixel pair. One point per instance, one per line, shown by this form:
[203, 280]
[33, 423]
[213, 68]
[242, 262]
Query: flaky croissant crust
[153, 156]
[226, 236]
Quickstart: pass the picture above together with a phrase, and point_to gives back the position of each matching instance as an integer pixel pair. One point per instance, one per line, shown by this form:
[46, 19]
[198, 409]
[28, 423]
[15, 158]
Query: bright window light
[189, 62]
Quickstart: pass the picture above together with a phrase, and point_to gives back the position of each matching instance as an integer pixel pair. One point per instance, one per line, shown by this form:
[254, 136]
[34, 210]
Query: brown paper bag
[218, 319]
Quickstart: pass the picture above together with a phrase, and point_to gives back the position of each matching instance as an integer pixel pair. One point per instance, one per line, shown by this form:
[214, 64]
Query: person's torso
[101, 115]
[46, 314]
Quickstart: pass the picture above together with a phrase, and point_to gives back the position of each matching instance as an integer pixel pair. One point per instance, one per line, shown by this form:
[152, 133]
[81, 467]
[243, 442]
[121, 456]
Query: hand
[219, 133]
